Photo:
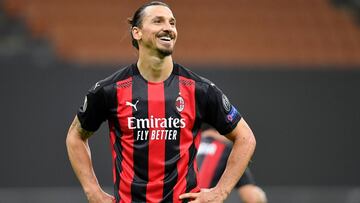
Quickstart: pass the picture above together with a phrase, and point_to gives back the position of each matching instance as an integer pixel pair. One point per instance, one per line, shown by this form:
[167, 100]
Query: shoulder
[110, 81]
[188, 74]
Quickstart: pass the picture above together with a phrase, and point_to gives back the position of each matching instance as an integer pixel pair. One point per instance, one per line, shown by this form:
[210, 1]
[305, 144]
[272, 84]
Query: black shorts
[246, 178]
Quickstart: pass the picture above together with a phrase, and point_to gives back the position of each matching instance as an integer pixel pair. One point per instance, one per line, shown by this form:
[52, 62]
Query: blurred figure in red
[212, 157]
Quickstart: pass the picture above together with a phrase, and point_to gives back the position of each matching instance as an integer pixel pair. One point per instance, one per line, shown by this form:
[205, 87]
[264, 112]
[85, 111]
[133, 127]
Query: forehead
[157, 11]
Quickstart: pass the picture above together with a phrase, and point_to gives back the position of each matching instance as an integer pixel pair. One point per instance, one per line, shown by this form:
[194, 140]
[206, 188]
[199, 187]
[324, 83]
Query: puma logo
[133, 105]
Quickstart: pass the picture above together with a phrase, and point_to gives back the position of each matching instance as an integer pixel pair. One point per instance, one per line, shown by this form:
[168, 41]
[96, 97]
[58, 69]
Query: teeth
[165, 38]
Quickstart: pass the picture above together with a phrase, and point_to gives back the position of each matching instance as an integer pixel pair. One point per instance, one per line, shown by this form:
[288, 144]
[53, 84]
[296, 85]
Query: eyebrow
[162, 17]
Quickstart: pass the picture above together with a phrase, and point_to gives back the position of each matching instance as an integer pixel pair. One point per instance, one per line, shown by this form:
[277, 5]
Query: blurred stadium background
[291, 66]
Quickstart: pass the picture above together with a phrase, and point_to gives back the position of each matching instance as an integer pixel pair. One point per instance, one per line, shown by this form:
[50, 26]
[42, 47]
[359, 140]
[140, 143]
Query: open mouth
[165, 38]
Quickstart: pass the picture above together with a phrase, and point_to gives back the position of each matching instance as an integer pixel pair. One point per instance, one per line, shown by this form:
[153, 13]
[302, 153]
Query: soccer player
[212, 156]
[154, 109]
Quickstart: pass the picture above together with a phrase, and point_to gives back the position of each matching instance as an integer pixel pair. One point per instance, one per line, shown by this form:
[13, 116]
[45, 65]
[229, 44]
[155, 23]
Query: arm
[80, 158]
[243, 148]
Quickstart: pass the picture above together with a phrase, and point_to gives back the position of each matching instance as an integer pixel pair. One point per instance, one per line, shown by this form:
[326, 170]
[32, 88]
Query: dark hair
[137, 18]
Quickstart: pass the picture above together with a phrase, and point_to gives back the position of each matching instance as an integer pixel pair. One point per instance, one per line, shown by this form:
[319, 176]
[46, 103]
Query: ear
[136, 33]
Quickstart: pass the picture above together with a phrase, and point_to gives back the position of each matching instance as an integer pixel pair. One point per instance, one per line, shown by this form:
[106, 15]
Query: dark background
[306, 123]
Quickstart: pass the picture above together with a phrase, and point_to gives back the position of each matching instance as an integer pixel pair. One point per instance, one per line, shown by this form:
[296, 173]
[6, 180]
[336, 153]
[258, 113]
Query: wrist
[222, 192]
[91, 190]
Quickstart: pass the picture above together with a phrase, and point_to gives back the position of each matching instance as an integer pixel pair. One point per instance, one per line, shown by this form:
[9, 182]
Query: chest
[156, 106]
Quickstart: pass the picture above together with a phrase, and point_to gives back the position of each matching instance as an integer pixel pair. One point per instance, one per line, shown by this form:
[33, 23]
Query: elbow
[245, 136]
[252, 141]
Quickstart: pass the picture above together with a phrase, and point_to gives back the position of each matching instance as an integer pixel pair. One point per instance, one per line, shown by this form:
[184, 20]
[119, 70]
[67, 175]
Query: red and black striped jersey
[212, 158]
[154, 129]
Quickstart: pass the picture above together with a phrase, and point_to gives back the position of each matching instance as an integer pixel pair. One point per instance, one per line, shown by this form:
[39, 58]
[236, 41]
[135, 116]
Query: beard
[157, 47]
[165, 52]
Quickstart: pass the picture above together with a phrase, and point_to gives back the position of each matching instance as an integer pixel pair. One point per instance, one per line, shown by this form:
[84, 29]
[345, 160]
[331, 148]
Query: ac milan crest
[180, 104]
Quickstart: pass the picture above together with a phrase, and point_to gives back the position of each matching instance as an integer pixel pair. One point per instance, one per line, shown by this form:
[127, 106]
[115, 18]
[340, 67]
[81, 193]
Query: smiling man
[154, 109]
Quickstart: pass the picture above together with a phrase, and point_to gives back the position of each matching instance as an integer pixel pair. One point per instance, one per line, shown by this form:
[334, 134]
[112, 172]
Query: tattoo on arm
[77, 126]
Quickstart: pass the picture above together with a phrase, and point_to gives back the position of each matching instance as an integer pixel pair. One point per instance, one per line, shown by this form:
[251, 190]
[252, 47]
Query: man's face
[158, 31]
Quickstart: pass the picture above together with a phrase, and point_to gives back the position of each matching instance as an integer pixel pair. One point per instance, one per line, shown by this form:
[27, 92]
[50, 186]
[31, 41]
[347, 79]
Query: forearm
[80, 158]
[243, 148]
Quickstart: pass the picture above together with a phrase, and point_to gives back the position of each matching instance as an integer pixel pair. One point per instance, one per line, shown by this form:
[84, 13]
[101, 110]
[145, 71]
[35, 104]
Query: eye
[157, 21]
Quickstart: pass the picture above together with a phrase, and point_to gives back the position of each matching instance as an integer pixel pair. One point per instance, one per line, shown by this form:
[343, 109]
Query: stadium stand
[238, 32]
[15, 44]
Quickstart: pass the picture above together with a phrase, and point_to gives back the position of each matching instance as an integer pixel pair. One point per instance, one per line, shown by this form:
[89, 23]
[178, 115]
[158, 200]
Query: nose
[169, 27]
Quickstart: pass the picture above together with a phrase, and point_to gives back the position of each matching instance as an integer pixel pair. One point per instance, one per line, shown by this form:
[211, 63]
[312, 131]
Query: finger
[188, 195]
[185, 195]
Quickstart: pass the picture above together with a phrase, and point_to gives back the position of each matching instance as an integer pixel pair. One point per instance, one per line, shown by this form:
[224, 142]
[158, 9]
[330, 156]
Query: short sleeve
[220, 113]
[93, 112]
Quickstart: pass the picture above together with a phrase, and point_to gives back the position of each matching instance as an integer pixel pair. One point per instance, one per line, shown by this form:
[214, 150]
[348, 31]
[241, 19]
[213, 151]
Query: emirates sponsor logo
[156, 135]
[169, 127]
[141, 123]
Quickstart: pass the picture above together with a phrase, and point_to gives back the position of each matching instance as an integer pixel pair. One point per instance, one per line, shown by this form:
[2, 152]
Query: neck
[155, 69]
